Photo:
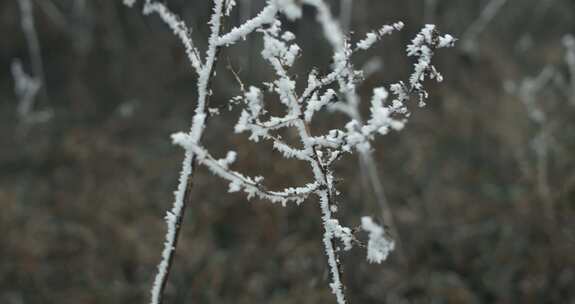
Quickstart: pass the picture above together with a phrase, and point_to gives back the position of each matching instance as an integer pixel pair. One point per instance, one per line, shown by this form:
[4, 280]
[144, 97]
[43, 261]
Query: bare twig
[470, 36]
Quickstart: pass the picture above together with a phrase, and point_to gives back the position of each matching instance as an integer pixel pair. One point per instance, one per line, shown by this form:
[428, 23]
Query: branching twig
[320, 152]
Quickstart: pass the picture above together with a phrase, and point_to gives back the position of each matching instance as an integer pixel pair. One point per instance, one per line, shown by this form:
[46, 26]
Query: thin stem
[175, 216]
[173, 243]
[336, 284]
[542, 165]
[321, 173]
[469, 40]
[34, 51]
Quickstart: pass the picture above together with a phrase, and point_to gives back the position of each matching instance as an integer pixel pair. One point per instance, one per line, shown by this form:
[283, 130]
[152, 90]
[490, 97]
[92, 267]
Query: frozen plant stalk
[349, 101]
[389, 112]
[29, 87]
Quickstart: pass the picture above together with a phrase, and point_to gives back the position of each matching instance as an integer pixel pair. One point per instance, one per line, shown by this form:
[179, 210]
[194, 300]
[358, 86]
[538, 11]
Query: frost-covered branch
[320, 151]
[379, 245]
[531, 93]
[29, 87]
[469, 38]
[350, 102]
[252, 186]
[205, 71]
[178, 26]
[321, 92]
[569, 43]
[374, 36]
[266, 16]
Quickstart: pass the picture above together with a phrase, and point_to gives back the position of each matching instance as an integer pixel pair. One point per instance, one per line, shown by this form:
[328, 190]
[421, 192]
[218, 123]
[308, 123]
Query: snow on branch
[205, 71]
[320, 151]
[329, 24]
[266, 16]
[252, 186]
[373, 37]
[379, 246]
[422, 47]
[179, 27]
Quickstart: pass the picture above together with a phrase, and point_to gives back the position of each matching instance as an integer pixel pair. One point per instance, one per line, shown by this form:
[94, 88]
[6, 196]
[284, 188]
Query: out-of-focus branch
[528, 92]
[369, 168]
[345, 13]
[569, 43]
[29, 88]
[29, 27]
[469, 38]
[429, 11]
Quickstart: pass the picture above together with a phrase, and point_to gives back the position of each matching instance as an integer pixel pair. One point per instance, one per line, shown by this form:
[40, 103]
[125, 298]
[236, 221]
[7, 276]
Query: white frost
[378, 246]
[319, 151]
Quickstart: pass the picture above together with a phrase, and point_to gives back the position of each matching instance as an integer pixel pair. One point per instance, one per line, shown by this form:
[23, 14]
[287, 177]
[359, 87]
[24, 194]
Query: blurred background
[480, 184]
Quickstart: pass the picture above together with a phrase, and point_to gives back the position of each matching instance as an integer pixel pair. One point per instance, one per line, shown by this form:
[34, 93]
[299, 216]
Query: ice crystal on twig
[320, 92]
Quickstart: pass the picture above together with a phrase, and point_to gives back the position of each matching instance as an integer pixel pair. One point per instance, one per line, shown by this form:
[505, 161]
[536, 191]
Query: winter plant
[29, 87]
[542, 112]
[569, 44]
[332, 90]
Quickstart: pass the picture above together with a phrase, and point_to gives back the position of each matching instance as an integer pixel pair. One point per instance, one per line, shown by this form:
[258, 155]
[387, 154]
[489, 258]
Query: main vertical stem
[175, 216]
[326, 200]
[171, 245]
[337, 286]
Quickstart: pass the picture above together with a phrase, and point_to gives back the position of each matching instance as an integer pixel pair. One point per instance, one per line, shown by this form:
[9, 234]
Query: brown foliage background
[82, 196]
